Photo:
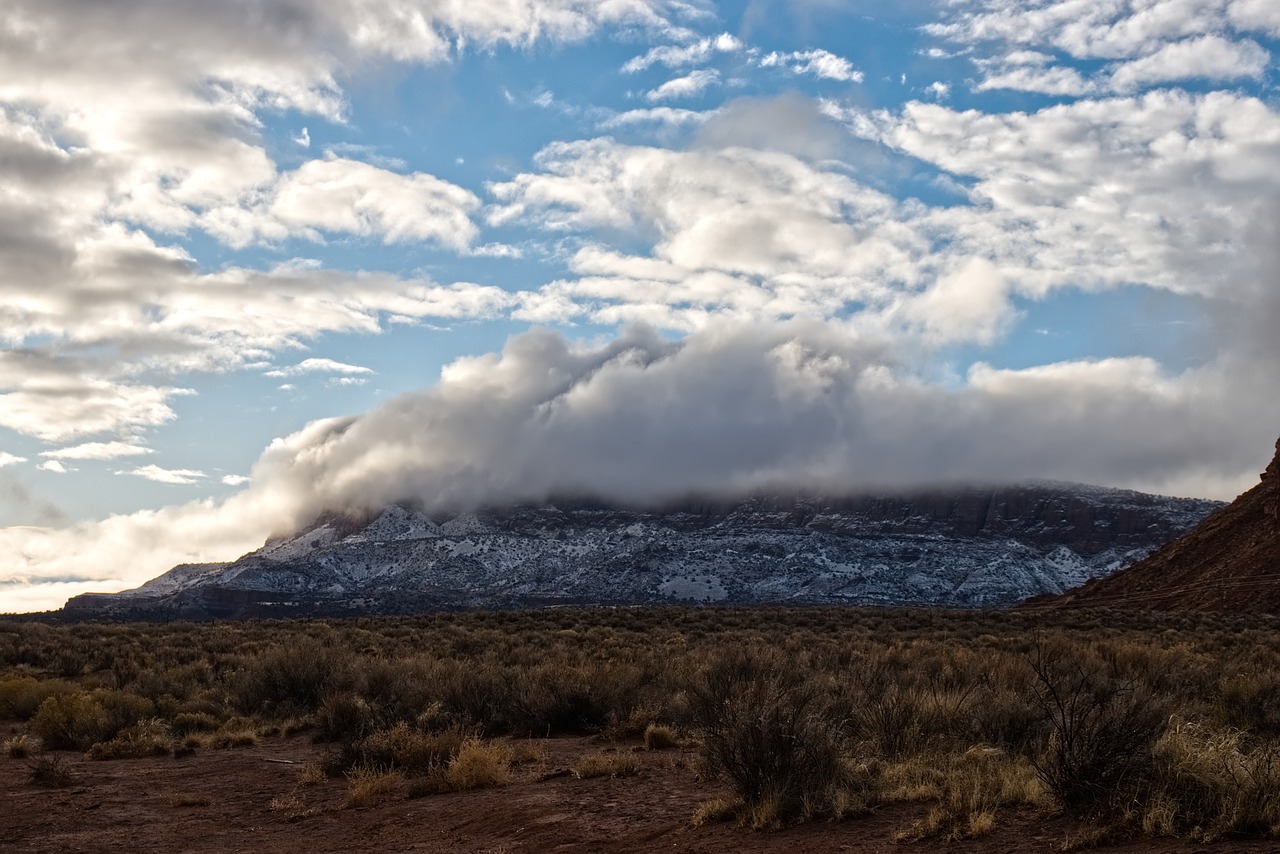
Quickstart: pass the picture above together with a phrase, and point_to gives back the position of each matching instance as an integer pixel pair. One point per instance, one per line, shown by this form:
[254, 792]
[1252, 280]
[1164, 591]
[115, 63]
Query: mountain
[970, 547]
[1229, 562]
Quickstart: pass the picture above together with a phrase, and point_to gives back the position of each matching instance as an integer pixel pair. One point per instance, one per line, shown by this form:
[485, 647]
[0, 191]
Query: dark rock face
[1230, 562]
[970, 547]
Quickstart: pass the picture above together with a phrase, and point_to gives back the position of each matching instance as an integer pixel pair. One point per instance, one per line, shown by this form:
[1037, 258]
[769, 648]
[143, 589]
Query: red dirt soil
[136, 805]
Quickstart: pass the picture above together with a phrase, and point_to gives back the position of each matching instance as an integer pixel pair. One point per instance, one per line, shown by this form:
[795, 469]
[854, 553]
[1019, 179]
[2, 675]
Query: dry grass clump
[660, 736]
[971, 790]
[311, 774]
[22, 745]
[1210, 784]
[147, 738]
[369, 786]
[479, 764]
[604, 764]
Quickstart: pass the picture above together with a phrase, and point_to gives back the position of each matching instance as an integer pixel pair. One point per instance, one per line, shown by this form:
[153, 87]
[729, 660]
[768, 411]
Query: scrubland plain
[639, 728]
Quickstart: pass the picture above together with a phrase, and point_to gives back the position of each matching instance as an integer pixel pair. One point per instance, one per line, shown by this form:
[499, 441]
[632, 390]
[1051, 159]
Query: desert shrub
[556, 699]
[147, 738]
[616, 764]
[773, 735]
[893, 721]
[482, 695]
[1210, 784]
[479, 764]
[291, 677]
[1005, 718]
[21, 696]
[343, 716]
[1249, 701]
[78, 721]
[1098, 759]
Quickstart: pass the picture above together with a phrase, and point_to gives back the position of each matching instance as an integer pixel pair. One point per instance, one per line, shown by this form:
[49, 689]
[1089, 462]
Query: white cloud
[55, 467]
[732, 408]
[1047, 81]
[7, 459]
[163, 475]
[1209, 57]
[346, 196]
[122, 124]
[938, 90]
[312, 366]
[692, 84]
[674, 56]
[669, 116]
[1150, 43]
[98, 451]
[235, 479]
[820, 63]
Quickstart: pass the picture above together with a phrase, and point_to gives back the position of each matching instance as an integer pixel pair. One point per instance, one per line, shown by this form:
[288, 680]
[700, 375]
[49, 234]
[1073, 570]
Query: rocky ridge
[973, 547]
[1230, 562]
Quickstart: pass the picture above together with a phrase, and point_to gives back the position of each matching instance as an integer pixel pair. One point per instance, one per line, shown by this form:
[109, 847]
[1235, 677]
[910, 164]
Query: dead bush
[772, 734]
[1098, 759]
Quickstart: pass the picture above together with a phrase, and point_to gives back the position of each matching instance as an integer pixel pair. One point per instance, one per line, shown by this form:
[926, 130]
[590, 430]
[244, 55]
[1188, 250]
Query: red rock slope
[1229, 562]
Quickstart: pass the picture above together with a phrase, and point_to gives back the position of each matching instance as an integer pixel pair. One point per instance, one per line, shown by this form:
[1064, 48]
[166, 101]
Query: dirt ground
[248, 800]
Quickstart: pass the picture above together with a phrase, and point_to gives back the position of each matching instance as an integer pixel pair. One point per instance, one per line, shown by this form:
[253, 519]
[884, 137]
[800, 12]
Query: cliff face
[972, 547]
[1230, 562]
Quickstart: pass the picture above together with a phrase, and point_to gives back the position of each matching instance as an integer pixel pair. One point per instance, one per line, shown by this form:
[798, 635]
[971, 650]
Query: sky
[260, 259]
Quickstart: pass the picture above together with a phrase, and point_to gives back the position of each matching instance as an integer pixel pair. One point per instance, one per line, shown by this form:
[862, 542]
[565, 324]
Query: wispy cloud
[98, 451]
[318, 366]
[692, 84]
[163, 475]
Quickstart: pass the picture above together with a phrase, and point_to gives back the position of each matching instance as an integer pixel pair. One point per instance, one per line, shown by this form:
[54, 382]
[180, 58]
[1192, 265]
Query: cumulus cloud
[346, 196]
[8, 459]
[1146, 44]
[126, 125]
[1208, 57]
[55, 467]
[235, 479]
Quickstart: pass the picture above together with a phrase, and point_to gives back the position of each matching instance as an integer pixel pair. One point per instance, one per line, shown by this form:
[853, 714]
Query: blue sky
[981, 240]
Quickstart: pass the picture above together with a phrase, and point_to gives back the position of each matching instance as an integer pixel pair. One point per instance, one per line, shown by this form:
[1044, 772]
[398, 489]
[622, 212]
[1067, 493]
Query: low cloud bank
[799, 406]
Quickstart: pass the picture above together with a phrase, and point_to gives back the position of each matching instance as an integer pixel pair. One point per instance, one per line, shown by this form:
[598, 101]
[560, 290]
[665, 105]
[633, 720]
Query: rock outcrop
[1230, 562]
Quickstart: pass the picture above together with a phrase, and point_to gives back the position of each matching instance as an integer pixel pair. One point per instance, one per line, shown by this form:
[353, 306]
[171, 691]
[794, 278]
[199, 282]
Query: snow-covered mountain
[972, 547]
